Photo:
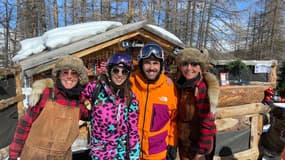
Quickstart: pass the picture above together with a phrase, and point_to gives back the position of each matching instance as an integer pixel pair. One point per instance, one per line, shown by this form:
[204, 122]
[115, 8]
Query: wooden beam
[104, 45]
[272, 77]
[225, 123]
[242, 110]
[249, 62]
[238, 95]
[250, 154]
[259, 129]
[10, 70]
[254, 132]
[4, 103]
[41, 68]
[19, 93]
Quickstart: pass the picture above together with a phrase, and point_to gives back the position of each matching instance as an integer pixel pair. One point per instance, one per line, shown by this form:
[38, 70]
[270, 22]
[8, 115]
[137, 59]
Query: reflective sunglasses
[124, 71]
[70, 72]
[193, 64]
[147, 51]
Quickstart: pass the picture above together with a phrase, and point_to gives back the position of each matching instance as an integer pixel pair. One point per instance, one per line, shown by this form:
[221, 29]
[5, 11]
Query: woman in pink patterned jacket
[114, 133]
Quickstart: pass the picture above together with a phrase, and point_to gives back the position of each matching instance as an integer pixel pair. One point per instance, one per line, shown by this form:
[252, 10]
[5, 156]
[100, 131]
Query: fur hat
[74, 63]
[193, 55]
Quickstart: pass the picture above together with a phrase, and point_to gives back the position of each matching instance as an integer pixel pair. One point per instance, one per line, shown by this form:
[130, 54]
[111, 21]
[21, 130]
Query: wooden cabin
[97, 49]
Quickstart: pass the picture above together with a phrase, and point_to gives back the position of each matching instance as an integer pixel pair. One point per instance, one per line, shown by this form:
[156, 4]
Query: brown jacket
[53, 139]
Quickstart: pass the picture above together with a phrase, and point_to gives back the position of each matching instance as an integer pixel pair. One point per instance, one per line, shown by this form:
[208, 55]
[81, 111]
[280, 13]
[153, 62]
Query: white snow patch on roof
[165, 32]
[62, 36]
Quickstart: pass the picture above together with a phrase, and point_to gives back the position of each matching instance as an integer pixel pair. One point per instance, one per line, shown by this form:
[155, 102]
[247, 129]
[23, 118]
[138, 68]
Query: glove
[171, 153]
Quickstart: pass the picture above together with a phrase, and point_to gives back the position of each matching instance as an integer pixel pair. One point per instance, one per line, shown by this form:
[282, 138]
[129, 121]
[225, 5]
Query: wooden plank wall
[4, 103]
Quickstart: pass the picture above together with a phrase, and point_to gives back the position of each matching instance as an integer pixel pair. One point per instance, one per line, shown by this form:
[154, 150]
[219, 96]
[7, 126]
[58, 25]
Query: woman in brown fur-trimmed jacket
[49, 127]
[199, 92]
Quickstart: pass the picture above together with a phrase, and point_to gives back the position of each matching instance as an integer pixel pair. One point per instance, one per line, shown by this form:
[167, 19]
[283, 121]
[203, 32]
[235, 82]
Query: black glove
[171, 153]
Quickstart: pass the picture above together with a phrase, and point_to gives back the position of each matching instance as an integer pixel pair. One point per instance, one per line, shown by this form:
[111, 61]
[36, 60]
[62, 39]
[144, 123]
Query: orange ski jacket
[157, 115]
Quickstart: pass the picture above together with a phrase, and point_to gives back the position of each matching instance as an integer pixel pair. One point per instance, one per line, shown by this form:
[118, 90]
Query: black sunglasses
[124, 71]
[193, 64]
[66, 72]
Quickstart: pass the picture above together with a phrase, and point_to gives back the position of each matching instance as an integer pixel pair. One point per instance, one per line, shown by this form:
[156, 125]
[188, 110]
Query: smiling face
[119, 75]
[68, 78]
[151, 68]
[190, 70]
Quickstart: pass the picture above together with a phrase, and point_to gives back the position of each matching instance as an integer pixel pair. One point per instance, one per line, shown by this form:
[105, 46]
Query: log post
[19, 92]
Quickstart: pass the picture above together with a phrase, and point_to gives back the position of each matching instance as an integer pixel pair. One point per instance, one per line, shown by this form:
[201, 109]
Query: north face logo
[163, 98]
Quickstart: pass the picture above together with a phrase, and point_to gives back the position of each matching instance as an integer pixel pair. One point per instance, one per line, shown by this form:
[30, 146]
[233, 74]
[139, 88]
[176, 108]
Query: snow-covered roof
[62, 36]
[72, 39]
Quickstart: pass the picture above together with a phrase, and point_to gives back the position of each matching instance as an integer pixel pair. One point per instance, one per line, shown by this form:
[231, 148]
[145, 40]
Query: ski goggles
[151, 49]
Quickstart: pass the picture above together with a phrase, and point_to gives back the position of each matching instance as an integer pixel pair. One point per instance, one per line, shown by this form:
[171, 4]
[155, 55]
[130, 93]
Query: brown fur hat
[193, 55]
[74, 63]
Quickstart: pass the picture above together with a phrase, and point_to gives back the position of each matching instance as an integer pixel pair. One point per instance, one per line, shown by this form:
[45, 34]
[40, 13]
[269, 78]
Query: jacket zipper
[152, 119]
[147, 92]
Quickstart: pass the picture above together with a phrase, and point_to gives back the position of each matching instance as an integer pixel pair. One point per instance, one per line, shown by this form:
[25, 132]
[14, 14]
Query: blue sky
[240, 5]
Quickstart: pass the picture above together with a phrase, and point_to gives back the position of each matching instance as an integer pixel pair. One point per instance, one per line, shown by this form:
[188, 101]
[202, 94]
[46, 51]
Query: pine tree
[280, 88]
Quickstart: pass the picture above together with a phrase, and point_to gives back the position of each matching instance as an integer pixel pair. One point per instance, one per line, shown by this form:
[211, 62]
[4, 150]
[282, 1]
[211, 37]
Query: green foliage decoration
[236, 67]
[280, 88]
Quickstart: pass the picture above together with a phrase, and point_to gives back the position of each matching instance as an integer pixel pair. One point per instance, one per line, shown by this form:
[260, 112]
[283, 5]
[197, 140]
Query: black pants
[81, 155]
